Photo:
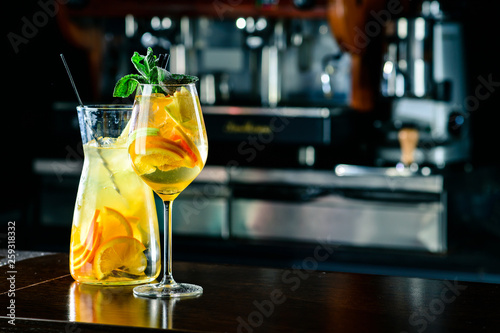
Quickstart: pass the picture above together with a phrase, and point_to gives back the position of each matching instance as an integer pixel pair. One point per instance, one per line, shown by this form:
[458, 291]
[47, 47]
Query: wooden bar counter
[245, 299]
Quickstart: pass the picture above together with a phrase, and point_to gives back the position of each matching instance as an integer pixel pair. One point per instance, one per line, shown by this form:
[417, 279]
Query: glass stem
[167, 244]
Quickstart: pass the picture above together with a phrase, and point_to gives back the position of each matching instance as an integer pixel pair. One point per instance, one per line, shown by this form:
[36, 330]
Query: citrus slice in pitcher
[84, 252]
[114, 224]
[121, 255]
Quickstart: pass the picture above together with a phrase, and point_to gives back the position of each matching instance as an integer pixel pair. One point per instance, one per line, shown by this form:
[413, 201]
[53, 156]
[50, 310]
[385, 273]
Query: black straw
[71, 80]
[163, 60]
[89, 126]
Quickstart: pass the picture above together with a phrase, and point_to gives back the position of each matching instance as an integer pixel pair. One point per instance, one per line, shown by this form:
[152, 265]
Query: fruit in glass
[114, 237]
[168, 149]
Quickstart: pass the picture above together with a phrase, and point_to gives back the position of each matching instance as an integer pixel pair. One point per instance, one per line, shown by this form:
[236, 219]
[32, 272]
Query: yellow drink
[169, 148]
[114, 239]
[168, 184]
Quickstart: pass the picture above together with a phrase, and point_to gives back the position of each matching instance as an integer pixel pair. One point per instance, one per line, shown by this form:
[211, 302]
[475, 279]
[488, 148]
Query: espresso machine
[423, 77]
[301, 146]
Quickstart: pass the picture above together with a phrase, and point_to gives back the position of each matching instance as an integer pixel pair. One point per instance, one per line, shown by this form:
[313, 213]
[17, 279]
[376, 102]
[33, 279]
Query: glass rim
[168, 84]
[105, 107]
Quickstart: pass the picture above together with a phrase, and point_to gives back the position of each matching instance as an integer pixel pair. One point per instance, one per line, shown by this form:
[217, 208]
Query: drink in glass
[168, 149]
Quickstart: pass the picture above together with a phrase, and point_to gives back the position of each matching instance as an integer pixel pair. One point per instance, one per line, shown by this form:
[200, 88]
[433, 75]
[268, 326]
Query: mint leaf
[149, 72]
[158, 75]
[127, 85]
[182, 79]
[163, 74]
[150, 62]
[137, 60]
[144, 64]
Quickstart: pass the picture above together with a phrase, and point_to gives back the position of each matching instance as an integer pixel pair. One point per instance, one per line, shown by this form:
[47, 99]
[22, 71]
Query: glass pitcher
[114, 237]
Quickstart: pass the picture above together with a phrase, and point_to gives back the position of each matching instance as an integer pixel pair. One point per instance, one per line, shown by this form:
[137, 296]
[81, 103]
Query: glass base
[159, 290]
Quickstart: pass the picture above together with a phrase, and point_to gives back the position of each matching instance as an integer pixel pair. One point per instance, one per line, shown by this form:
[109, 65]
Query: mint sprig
[149, 73]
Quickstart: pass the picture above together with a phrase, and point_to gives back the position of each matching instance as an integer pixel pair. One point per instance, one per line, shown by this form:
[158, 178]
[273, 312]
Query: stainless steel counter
[370, 210]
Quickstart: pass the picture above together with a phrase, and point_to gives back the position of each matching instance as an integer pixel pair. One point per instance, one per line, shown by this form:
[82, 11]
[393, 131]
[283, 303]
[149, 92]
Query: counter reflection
[117, 306]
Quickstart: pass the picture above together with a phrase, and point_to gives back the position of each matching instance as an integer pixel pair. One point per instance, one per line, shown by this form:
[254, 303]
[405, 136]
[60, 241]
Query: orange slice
[152, 152]
[139, 233]
[84, 252]
[88, 255]
[133, 220]
[114, 224]
[182, 139]
[122, 253]
[77, 248]
[159, 113]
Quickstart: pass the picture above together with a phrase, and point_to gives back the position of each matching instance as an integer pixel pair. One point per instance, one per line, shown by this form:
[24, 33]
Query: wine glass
[168, 149]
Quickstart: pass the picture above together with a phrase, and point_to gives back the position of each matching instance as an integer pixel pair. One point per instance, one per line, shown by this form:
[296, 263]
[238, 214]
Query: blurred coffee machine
[274, 83]
[289, 101]
[423, 76]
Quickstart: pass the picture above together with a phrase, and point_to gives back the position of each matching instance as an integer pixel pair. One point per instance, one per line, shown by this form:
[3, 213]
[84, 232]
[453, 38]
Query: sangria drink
[168, 148]
[115, 237]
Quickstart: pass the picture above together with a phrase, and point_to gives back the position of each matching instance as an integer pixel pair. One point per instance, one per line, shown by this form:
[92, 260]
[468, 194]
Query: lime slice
[141, 132]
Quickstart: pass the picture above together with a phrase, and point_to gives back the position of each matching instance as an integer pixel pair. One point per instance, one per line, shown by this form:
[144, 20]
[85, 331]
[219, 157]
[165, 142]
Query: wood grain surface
[247, 299]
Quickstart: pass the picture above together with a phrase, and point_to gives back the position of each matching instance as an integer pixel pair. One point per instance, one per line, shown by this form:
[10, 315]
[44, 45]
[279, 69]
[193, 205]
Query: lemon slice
[122, 253]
